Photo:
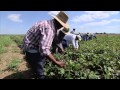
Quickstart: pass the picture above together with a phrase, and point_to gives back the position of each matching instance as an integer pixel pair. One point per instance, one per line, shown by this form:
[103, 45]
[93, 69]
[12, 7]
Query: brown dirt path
[13, 52]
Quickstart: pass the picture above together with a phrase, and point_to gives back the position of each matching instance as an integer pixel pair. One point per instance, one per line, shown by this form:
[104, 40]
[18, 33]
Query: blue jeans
[36, 62]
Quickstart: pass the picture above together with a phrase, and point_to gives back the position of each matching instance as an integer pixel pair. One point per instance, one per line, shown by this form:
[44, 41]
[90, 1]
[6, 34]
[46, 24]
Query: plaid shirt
[40, 37]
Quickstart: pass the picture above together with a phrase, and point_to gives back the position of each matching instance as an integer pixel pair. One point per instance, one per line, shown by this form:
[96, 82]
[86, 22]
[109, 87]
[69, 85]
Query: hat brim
[64, 32]
[65, 25]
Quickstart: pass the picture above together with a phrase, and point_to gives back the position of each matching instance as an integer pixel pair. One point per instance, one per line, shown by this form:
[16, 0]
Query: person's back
[70, 37]
[84, 37]
[35, 36]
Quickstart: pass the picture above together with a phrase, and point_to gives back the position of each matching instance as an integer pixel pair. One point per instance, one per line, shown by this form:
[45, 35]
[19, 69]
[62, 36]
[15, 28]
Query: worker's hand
[62, 52]
[60, 64]
[76, 49]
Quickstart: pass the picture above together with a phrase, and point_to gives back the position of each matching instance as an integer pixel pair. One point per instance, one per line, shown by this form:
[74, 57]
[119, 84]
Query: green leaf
[62, 71]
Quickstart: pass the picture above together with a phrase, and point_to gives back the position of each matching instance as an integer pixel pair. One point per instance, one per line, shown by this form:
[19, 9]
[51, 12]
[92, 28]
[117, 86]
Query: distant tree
[96, 33]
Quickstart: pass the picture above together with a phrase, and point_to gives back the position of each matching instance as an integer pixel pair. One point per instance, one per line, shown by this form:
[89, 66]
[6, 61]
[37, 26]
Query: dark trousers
[36, 62]
[64, 43]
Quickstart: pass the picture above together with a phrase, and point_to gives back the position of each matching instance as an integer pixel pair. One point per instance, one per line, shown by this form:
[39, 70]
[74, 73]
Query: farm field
[96, 59]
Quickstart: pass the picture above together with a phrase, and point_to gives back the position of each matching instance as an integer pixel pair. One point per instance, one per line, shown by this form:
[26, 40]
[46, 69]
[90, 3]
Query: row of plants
[5, 41]
[96, 59]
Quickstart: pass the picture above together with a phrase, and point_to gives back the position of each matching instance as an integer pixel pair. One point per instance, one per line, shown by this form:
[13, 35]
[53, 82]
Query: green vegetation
[96, 59]
[14, 64]
[5, 41]
[17, 39]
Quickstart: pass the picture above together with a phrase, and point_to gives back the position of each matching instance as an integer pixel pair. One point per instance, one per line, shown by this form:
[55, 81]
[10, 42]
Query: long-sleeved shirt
[40, 37]
[70, 38]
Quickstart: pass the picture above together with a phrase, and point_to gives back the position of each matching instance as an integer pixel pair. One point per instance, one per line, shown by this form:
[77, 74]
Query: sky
[19, 22]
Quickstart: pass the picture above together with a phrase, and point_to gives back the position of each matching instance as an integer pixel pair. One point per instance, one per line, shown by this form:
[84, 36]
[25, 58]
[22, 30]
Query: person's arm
[60, 46]
[73, 43]
[57, 62]
[76, 43]
[47, 52]
[45, 44]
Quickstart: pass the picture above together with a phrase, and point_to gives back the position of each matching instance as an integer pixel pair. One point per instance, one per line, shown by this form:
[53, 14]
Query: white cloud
[115, 27]
[53, 13]
[82, 18]
[15, 17]
[92, 15]
[96, 26]
[101, 14]
[102, 23]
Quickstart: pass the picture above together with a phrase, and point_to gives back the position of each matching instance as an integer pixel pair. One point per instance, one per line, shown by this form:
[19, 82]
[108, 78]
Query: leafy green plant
[95, 59]
[4, 42]
[14, 64]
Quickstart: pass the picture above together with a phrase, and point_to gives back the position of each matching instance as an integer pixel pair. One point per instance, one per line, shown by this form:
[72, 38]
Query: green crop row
[5, 41]
[96, 59]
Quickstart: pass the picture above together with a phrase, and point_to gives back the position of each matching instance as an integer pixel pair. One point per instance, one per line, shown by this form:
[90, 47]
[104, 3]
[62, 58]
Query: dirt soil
[13, 52]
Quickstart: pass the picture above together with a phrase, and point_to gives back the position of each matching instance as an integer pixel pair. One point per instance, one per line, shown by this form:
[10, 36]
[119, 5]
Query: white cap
[79, 37]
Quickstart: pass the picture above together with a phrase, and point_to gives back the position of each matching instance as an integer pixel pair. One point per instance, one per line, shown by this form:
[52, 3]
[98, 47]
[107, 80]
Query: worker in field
[71, 39]
[88, 36]
[94, 36]
[84, 36]
[73, 31]
[57, 42]
[38, 40]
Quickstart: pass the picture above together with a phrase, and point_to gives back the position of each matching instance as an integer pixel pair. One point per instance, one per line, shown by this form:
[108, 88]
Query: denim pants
[36, 62]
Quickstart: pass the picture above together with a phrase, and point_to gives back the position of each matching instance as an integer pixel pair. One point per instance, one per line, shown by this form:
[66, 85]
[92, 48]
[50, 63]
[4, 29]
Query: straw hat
[63, 30]
[62, 18]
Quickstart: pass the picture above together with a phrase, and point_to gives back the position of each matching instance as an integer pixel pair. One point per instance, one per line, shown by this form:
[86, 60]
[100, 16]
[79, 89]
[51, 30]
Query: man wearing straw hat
[38, 40]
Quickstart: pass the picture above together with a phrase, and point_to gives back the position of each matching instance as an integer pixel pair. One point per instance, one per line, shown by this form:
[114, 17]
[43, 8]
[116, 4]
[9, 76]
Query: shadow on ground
[24, 75]
[20, 75]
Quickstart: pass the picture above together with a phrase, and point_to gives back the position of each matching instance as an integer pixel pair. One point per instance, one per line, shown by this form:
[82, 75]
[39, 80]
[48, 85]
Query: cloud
[53, 13]
[115, 27]
[92, 15]
[99, 26]
[102, 23]
[101, 14]
[82, 18]
[15, 17]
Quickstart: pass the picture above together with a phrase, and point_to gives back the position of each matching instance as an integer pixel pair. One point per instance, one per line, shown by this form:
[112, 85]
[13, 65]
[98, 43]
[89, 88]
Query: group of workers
[44, 36]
